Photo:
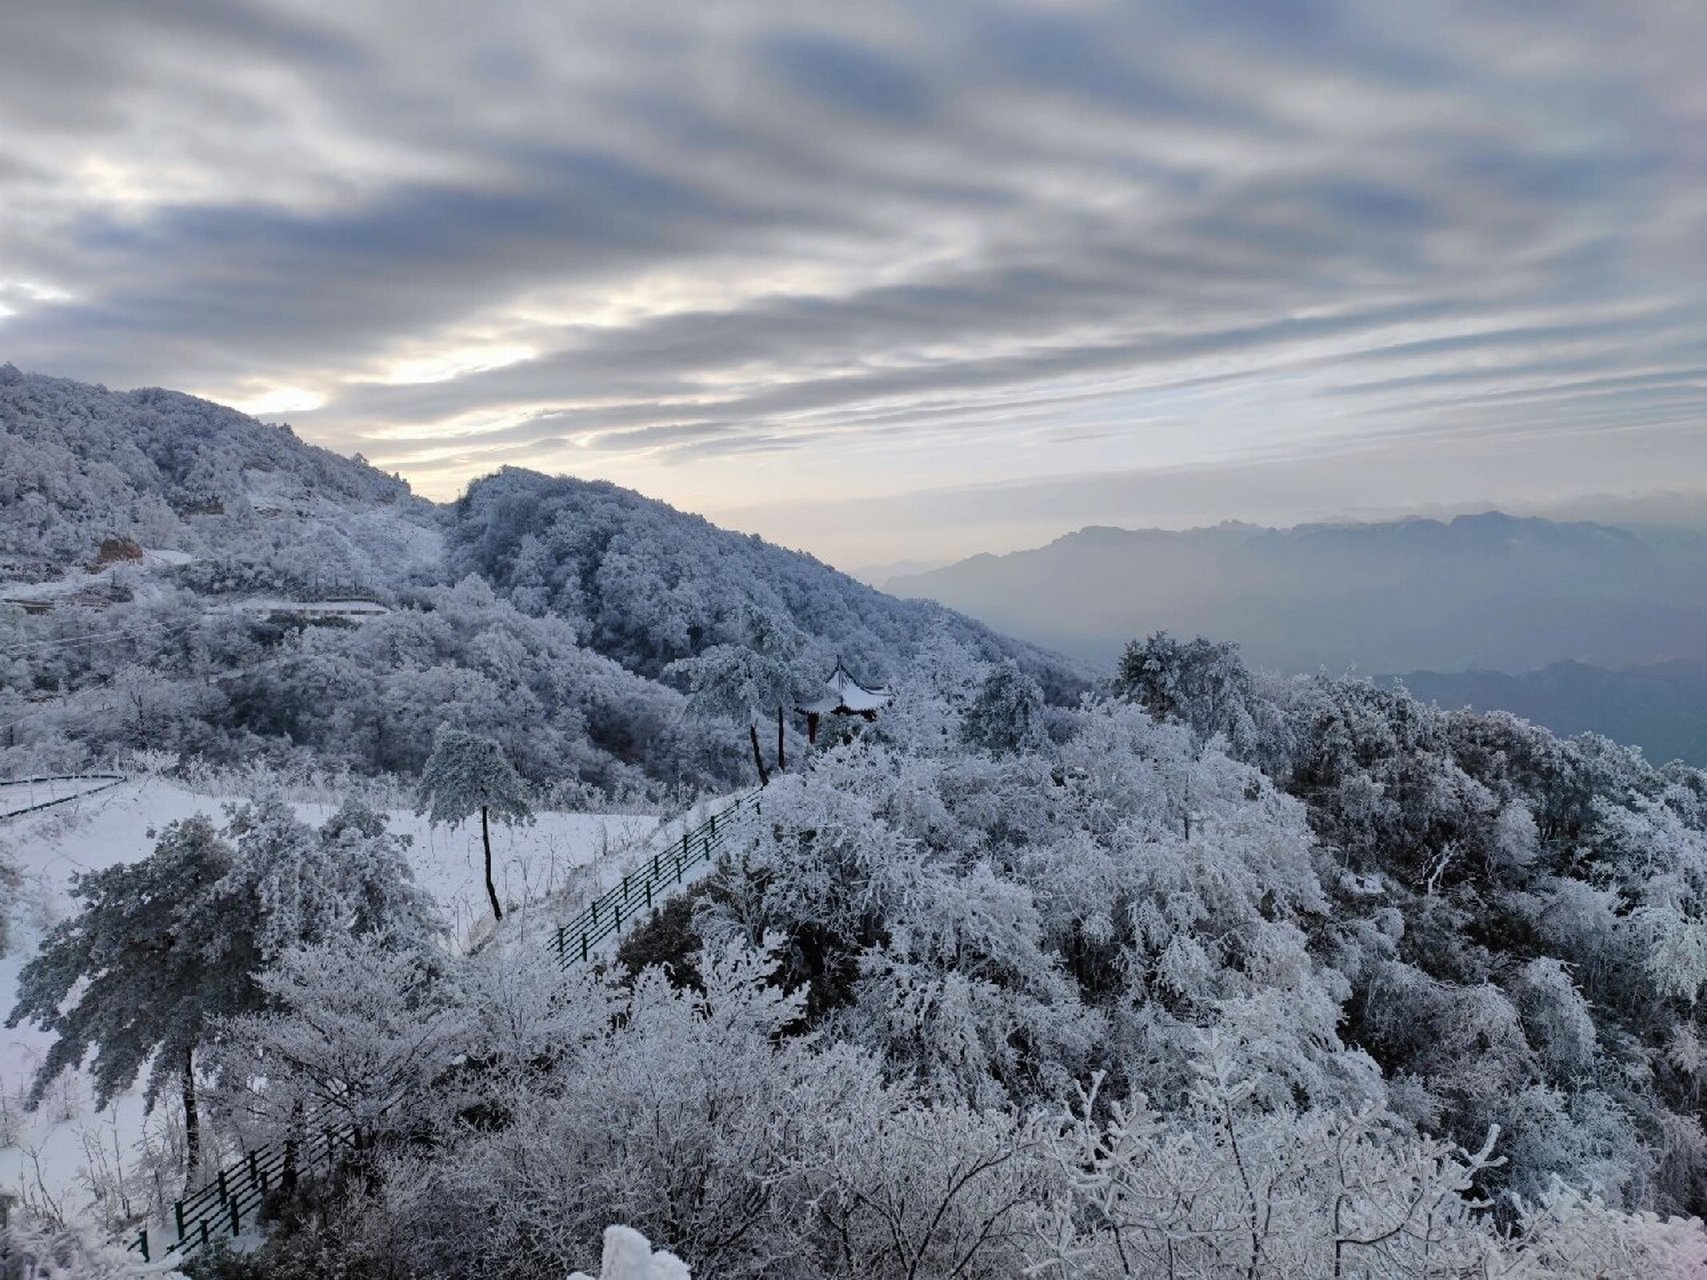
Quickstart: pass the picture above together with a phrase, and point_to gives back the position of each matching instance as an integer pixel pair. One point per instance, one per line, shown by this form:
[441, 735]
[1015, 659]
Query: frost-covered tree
[748, 679]
[354, 1027]
[1199, 683]
[165, 947]
[152, 973]
[468, 774]
[1006, 716]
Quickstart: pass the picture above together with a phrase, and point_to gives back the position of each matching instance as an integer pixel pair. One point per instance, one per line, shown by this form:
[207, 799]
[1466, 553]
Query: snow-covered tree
[1202, 684]
[468, 774]
[165, 947]
[1006, 716]
[748, 679]
[353, 1027]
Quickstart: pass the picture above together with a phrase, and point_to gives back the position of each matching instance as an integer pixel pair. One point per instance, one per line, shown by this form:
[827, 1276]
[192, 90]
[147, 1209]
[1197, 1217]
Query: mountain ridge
[1488, 590]
[189, 556]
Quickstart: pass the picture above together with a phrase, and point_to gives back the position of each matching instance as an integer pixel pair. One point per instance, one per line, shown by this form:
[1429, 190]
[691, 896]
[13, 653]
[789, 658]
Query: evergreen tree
[468, 774]
[1007, 715]
[745, 680]
[165, 946]
[1198, 682]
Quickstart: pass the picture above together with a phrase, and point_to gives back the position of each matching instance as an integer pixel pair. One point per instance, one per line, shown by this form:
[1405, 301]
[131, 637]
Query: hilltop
[177, 576]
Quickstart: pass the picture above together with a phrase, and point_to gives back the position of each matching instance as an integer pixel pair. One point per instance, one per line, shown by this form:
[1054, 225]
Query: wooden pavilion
[843, 696]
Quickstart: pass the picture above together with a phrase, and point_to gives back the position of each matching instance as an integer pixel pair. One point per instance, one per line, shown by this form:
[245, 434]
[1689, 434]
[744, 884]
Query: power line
[75, 642]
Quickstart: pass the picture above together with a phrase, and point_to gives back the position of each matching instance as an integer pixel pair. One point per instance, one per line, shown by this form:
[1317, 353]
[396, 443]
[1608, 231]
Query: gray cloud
[724, 249]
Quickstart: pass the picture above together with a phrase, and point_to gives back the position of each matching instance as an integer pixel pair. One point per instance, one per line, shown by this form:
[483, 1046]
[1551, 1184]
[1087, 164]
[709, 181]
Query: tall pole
[758, 759]
[781, 764]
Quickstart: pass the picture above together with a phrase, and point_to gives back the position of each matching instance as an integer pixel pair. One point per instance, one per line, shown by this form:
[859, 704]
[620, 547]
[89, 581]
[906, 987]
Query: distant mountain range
[1487, 592]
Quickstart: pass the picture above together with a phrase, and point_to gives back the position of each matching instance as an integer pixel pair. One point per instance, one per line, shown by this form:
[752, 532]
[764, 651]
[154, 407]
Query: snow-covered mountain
[82, 466]
[647, 584]
[178, 576]
[1491, 591]
[1208, 972]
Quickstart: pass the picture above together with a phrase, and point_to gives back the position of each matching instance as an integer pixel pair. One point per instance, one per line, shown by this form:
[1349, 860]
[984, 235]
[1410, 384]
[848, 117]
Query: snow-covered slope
[59, 1150]
[647, 584]
[175, 576]
[81, 465]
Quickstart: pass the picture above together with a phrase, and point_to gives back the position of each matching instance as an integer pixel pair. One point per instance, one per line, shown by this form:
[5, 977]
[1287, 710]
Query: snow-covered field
[52, 1152]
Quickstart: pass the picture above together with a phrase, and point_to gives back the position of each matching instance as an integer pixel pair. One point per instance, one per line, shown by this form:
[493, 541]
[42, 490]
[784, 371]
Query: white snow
[628, 1256]
[51, 1151]
[126, 573]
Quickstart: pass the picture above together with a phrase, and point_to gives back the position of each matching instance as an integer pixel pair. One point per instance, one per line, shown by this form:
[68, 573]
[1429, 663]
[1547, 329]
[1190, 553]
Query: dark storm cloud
[623, 236]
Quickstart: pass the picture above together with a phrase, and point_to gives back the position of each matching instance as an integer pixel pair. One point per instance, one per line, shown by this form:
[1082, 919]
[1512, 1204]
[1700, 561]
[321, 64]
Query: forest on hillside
[1206, 975]
[545, 613]
[1180, 970]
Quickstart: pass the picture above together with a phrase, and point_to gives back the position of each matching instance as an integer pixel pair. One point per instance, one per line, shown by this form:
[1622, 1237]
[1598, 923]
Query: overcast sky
[889, 281]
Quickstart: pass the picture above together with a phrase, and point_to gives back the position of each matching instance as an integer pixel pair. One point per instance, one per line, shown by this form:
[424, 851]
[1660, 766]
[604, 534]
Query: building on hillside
[843, 696]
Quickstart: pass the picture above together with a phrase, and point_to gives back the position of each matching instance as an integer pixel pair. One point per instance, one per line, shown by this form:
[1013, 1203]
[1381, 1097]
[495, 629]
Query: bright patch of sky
[890, 280]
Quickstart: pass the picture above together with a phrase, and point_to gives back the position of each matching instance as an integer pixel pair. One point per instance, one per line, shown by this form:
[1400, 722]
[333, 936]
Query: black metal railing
[642, 888]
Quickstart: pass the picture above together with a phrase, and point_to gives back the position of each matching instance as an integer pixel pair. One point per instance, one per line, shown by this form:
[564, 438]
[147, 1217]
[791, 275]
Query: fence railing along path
[650, 883]
[103, 781]
[232, 1198]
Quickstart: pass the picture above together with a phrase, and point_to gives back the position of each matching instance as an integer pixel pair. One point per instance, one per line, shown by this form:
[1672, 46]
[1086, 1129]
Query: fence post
[236, 1218]
[714, 824]
[178, 1213]
[202, 1223]
[649, 895]
[143, 1241]
[224, 1190]
[583, 946]
[619, 917]
[561, 958]
[254, 1167]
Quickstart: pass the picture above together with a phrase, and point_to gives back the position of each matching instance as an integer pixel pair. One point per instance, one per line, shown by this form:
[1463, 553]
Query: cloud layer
[738, 253]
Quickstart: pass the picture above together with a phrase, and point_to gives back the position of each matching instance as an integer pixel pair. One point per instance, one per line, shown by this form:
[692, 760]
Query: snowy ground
[53, 1152]
[128, 573]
